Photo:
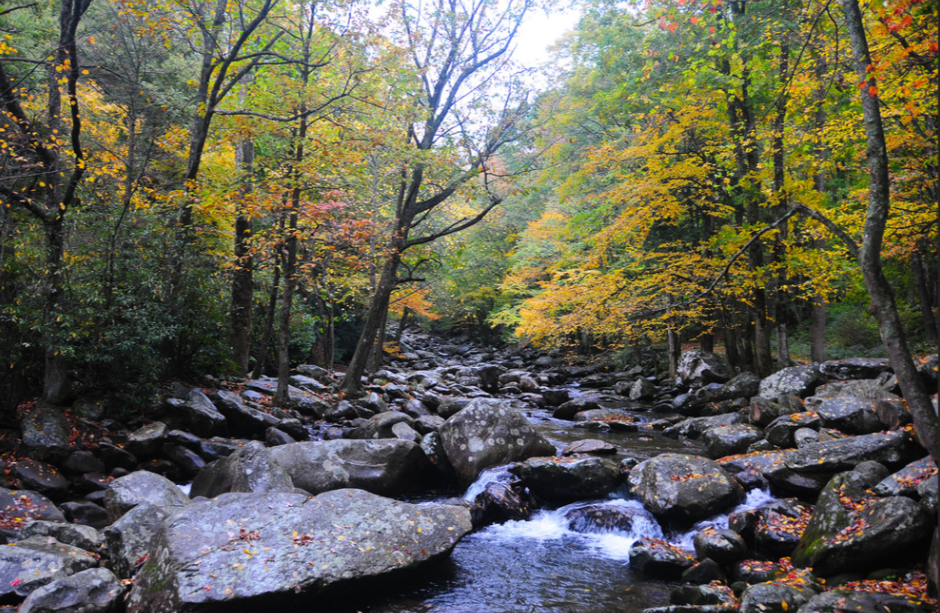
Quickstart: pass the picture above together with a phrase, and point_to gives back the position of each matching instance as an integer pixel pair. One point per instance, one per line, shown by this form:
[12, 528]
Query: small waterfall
[754, 500]
[493, 474]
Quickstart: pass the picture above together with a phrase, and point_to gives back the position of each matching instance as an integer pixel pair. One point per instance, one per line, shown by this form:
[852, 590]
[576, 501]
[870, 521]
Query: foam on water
[493, 474]
[754, 500]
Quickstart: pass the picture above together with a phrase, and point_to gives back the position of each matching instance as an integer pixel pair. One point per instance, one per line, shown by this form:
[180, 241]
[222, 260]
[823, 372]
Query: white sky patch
[539, 32]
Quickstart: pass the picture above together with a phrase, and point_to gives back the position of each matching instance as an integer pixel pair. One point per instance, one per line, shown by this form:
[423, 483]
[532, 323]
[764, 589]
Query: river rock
[774, 597]
[250, 469]
[502, 503]
[294, 543]
[86, 513]
[245, 420]
[850, 415]
[851, 531]
[95, 590]
[612, 517]
[45, 435]
[489, 432]
[781, 431]
[196, 414]
[380, 426]
[589, 445]
[699, 595]
[642, 389]
[146, 441]
[798, 381]
[728, 440]
[23, 506]
[189, 461]
[694, 427]
[570, 408]
[83, 537]
[863, 602]
[658, 558]
[683, 488]
[780, 527]
[31, 563]
[697, 368]
[905, 481]
[451, 406]
[889, 448]
[385, 466]
[41, 477]
[723, 546]
[129, 491]
[855, 368]
[566, 479]
[743, 385]
[129, 538]
[763, 411]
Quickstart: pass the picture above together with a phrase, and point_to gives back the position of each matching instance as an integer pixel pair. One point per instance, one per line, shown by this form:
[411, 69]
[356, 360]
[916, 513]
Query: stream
[541, 565]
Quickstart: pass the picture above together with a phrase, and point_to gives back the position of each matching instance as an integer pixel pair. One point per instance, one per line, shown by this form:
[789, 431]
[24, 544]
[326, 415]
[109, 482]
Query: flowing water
[542, 565]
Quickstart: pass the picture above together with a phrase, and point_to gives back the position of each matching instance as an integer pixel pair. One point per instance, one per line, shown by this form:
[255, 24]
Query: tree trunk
[402, 324]
[707, 342]
[56, 387]
[869, 253]
[269, 325]
[375, 363]
[818, 333]
[242, 281]
[923, 294]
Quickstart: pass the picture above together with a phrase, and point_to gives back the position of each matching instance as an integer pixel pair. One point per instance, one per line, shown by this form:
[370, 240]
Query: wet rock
[41, 477]
[862, 602]
[798, 381]
[380, 426]
[757, 571]
[217, 448]
[744, 385]
[373, 403]
[556, 397]
[385, 466]
[642, 389]
[893, 413]
[589, 445]
[130, 537]
[81, 462]
[83, 537]
[45, 435]
[244, 420]
[23, 506]
[567, 479]
[115, 457]
[488, 377]
[293, 428]
[849, 530]
[502, 503]
[570, 408]
[428, 423]
[86, 513]
[95, 590]
[805, 436]
[850, 415]
[451, 406]
[317, 372]
[142, 486]
[781, 527]
[763, 411]
[683, 488]
[489, 432]
[792, 483]
[905, 481]
[703, 572]
[146, 441]
[659, 559]
[31, 563]
[723, 546]
[888, 448]
[301, 400]
[782, 430]
[775, 597]
[405, 432]
[88, 409]
[728, 440]
[698, 368]
[189, 461]
[607, 517]
[250, 469]
[416, 409]
[301, 545]
[703, 595]
[196, 414]
[274, 437]
[343, 411]
[927, 490]
[855, 368]
[694, 427]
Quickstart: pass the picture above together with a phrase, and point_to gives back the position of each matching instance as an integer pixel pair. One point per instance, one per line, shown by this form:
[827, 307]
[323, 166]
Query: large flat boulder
[800, 381]
[95, 590]
[239, 552]
[486, 433]
[683, 488]
[251, 468]
[850, 414]
[387, 466]
[36, 561]
[889, 448]
[138, 487]
[566, 479]
[21, 507]
[855, 368]
[45, 434]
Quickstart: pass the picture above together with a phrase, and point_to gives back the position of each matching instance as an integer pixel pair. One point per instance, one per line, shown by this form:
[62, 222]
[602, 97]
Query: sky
[539, 32]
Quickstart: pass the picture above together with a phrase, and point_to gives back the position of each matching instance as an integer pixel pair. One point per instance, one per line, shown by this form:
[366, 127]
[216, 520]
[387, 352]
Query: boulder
[781, 431]
[684, 488]
[728, 440]
[744, 385]
[855, 368]
[373, 403]
[405, 432]
[502, 503]
[851, 531]
[611, 517]
[196, 414]
[380, 426]
[131, 490]
[45, 435]
[251, 548]
[80, 462]
[723, 546]
[658, 558]
[41, 477]
[189, 461]
[23, 506]
[763, 411]
[31, 563]
[250, 469]
[146, 441]
[567, 479]
[130, 536]
[842, 599]
[486, 433]
[694, 427]
[850, 415]
[893, 413]
[642, 389]
[385, 466]
[699, 595]
[780, 527]
[889, 448]
[697, 368]
[244, 420]
[95, 590]
[570, 408]
[798, 381]
[905, 481]
[86, 513]
[774, 597]
[83, 537]
[589, 445]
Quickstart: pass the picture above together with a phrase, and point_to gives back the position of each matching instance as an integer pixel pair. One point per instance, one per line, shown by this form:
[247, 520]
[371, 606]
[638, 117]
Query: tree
[457, 49]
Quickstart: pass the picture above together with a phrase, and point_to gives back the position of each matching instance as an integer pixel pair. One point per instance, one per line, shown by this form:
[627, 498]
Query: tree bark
[269, 325]
[923, 294]
[818, 332]
[242, 277]
[781, 297]
[869, 253]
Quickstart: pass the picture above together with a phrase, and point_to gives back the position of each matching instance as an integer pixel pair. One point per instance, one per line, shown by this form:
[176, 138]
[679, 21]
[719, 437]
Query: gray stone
[763, 411]
[385, 466]
[486, 433]
[855, 368]
[570, 408]
[86, 513]
[723, 441]
[243, 420]
[642, 389]
[41, 477]
[568, 479]
[380, 426]
[774, 597]
[451, 406]
[196, 414]
[889, 448]
[95, 590]
[83, 537]
[31, 563]
[189, 461]
[589, 445]
[805, 436]
[146, 441]
[905, 481]
[781, 431]
[684, 488]
[405, 432]
[723, 546]
[131, 490]
[798, 381]
[294, 543]
[81, 462]
[603, 518]
[850, 415]
[658, 558]
[45, 435]
[130, 537]
[694, 427]
[250, 469]
[23, 506]
[697, 368]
